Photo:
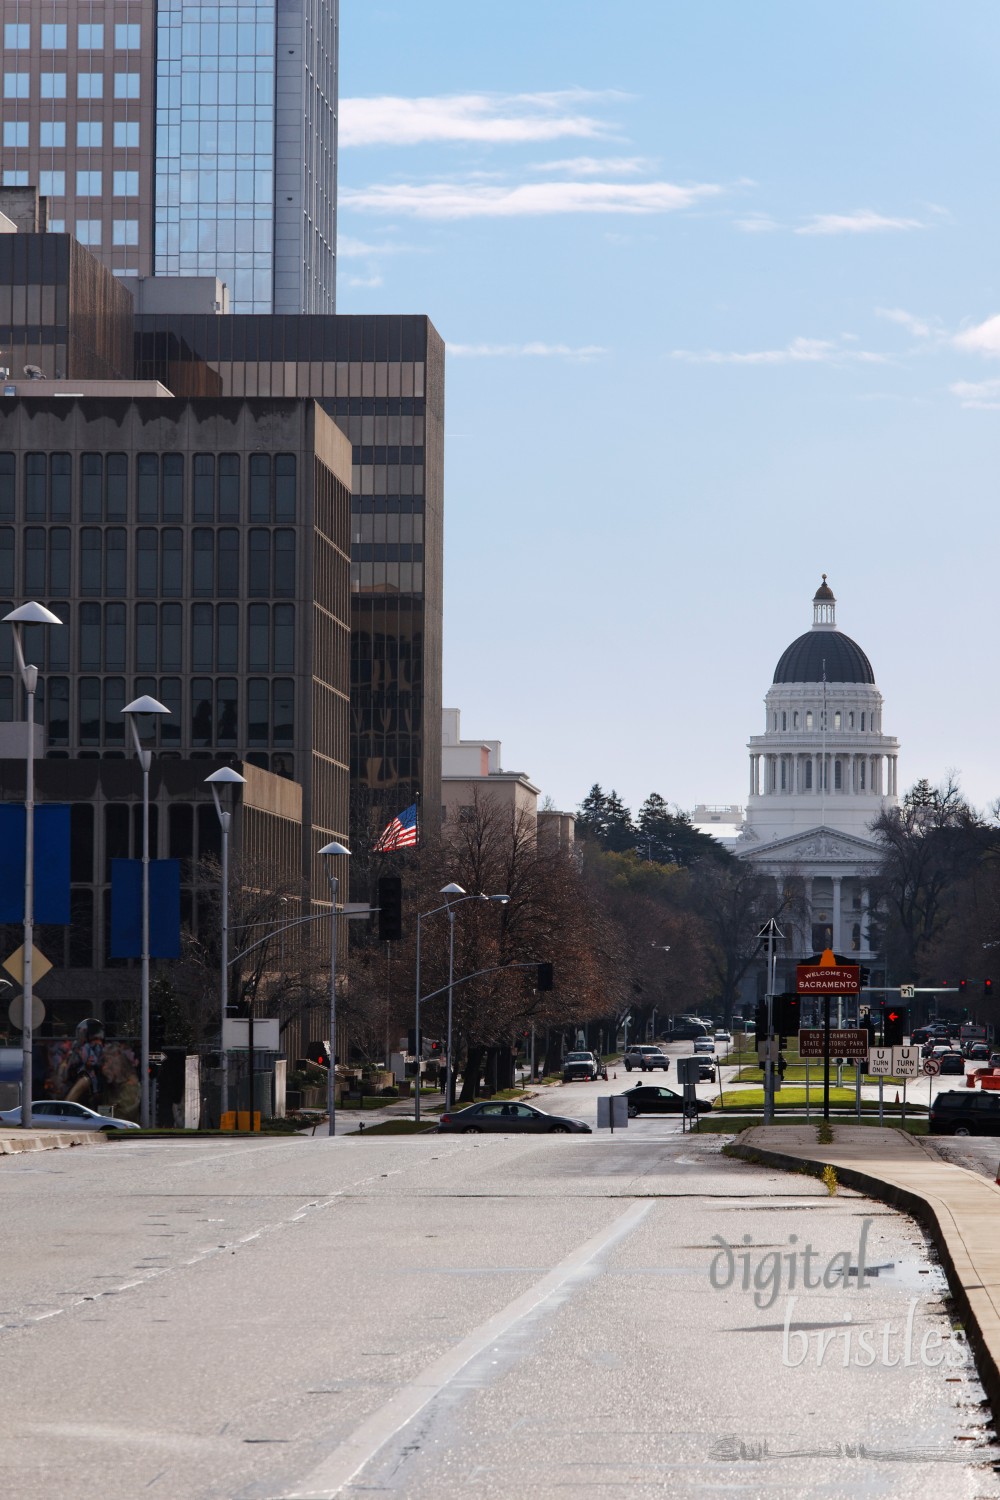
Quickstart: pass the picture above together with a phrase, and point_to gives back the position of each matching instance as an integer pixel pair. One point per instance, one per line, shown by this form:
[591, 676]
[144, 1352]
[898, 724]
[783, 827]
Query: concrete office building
[182, 139]
[381, 379]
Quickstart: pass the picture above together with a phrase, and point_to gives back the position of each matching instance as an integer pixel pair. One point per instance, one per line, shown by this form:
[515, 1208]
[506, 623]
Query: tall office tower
[382, 380]
[183, 139]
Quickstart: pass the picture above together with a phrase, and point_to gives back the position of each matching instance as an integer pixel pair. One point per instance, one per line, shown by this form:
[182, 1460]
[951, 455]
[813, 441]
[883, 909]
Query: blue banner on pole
[51, 903]
[164, 908]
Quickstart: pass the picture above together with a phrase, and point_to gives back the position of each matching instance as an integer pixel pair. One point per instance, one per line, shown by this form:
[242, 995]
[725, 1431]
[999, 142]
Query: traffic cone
[897, 1096]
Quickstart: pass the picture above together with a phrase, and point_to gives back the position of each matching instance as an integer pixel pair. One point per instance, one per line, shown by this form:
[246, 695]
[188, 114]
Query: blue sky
[721, 290]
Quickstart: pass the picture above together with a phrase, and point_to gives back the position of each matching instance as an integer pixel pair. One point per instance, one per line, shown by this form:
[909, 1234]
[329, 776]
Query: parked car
[952, 1062]
[704, 1044]
[647, 1099]
[965, 1112]
[646, 1058]
[60, 1114]
[582, 1065]
[512, 1119]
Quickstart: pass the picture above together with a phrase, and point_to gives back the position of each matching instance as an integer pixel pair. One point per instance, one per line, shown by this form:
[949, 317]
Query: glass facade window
[8, 473]
[16, 36]
[127, 37]
[90, 85]
[53, 85]
[125, 232]
[15, 133]
[126, 184]
[52, 133]
[60, 486]
[53, 38]
[203, 487]
[126, 85]
[52, 184]
[126, 133]
[90, 38]
[88, 133]
[88, 184]
[15, 85]
[229, 487]
[15, 178]
[227, 640]
[145, 638]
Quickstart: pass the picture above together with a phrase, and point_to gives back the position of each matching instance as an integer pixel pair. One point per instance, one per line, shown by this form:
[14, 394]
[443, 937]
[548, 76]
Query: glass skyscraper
[180, 138]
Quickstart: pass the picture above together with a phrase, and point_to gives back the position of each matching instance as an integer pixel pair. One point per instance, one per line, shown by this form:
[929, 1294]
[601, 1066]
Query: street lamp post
[28, 614]
[226, 776]
[329, 853]
[144, 705]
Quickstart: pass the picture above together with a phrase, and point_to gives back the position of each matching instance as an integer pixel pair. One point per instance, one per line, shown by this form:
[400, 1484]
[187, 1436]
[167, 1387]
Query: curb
[925, 1212]
[14, 1145]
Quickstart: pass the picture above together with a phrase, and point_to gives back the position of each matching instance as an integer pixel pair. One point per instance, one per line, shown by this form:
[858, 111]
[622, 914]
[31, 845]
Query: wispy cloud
[598, 166]
[798, 351]
[365, 283]
[982, 338]
[756, 223]
[921, 328]
[583, 354]
[861, 221]
[977, 395]
[349, 248]
[469, 200]
[498, 118]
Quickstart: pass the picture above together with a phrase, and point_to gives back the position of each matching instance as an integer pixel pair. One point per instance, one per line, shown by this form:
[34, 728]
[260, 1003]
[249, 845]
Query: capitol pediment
[812, 846]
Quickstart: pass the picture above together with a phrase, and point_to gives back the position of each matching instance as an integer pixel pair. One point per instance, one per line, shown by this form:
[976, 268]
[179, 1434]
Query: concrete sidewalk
[959, 1209]
[14, 1141]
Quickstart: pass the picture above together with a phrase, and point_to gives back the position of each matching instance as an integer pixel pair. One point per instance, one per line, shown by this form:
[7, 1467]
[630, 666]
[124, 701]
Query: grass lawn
[732, 1123]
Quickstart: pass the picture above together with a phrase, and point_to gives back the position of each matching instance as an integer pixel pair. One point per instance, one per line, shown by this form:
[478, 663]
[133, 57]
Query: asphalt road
[452, 1317]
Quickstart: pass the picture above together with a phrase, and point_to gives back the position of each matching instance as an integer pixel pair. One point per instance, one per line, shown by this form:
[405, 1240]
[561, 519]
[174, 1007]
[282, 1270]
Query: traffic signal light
[437, 1049]
[868, 1022]
[760, 1019]
[963, 985]
[390, 909]
[987, 989]
[895, 1025]
[316, 1053]
[787, 1014]
[412, 1042]
[545, 977]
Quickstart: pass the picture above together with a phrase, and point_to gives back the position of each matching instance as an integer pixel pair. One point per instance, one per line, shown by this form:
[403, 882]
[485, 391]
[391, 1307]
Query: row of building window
[214, 482]
[88, 185]
[838, 719]
[53, 85]
[217, 636]
[215, 569]
[89, 38]
[781, 775]
[52, 134]
[213, 703]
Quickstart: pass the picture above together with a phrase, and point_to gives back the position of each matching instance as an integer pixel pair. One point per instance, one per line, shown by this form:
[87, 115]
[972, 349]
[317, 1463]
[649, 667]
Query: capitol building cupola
[822, 760]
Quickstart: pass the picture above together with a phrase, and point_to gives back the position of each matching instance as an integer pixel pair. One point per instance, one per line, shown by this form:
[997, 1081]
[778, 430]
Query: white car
[60, 1114]
[645, 1057]
[704, 1044]
[724, 1036]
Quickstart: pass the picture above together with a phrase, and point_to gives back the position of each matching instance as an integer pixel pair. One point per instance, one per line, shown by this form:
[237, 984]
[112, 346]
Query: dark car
[509, 1119]
[647, 1099]
[706, 1067]
[961, 1112]
[687, 1031]
[977, 1051]
[952, 1062]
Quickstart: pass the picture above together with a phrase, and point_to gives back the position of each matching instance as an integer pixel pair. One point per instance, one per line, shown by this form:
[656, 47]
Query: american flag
[401, 833]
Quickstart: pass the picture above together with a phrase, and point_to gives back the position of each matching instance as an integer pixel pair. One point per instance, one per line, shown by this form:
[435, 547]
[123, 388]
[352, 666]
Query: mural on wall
[93, 1070]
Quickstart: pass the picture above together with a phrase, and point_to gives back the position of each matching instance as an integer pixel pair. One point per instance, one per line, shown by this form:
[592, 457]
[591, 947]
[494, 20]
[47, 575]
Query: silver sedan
[61, 1114]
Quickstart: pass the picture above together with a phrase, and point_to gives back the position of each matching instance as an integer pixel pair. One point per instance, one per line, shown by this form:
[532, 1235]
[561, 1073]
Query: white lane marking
[351, 1456]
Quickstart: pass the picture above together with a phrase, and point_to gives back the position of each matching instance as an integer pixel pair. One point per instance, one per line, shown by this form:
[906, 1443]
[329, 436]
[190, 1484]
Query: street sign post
[905, 1061]
[612, 1112]
[879, 1061]
[931, 1067]
[843, 1042]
